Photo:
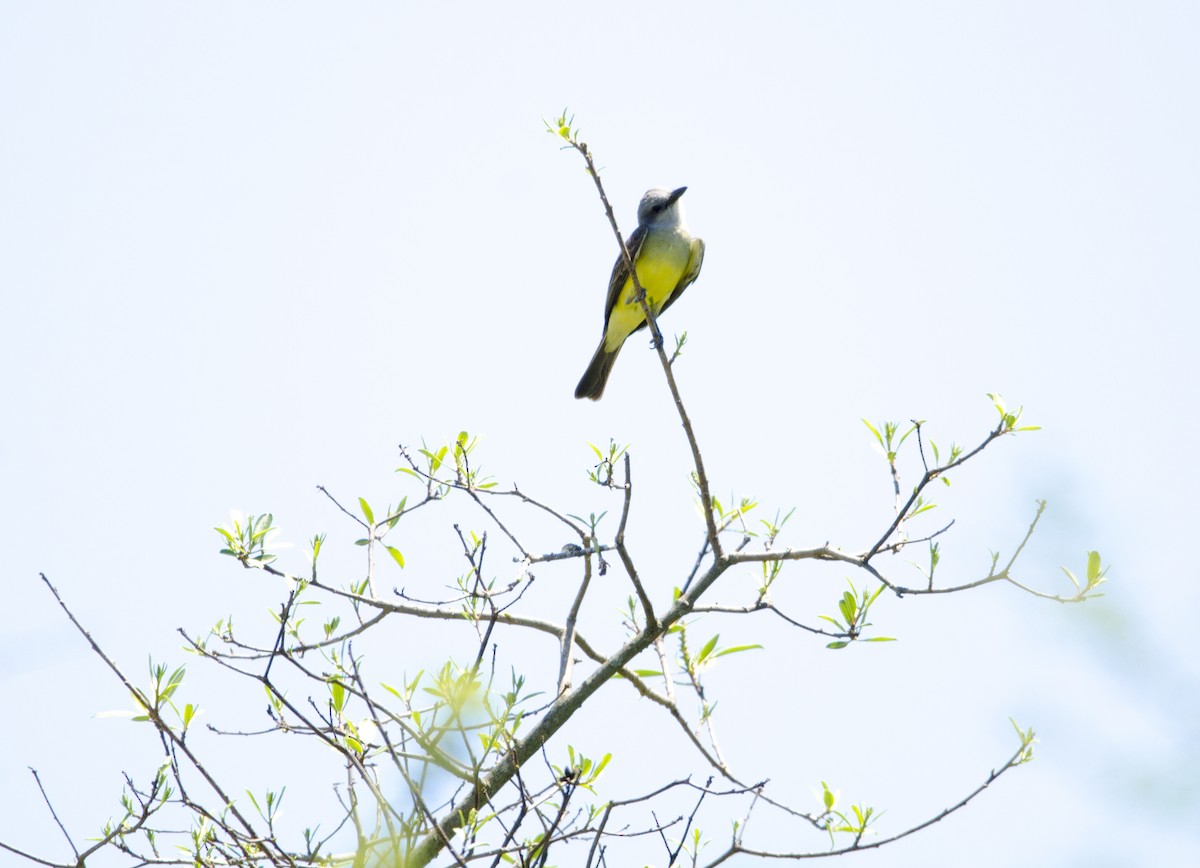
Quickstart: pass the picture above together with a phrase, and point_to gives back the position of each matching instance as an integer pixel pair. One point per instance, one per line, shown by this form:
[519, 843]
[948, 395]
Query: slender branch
[165, 731]
[764, 606]
[623, 551]
[691, 819]
[37, 859]
[735, 848]
[355, 518]
[999, 431]
[474, 495]
[567, 554]
[651, 321]
[568, 634]
[53, 813]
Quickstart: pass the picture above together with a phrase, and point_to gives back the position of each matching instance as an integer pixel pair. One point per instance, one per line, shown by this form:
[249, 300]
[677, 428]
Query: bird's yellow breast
[661, 264]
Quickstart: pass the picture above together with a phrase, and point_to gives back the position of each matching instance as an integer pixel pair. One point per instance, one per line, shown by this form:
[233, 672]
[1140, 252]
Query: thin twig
[626, 558]
[652, 323]
[53, 813]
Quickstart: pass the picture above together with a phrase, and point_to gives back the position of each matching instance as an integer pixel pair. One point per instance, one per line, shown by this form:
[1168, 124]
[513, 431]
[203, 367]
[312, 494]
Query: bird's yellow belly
[659, 271]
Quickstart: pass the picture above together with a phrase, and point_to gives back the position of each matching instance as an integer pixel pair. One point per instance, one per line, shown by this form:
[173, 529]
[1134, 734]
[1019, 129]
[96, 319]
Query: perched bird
[667, 259]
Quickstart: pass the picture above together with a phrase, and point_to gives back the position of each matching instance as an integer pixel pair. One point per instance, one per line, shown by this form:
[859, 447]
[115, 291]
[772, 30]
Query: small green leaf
[367, 511]
[838, 644]
[848, 606]
[874, 431]
[396, 555]
[604, 761]
[735, 649]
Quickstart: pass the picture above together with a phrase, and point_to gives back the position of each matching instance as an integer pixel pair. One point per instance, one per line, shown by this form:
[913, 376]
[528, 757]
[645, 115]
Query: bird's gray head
[661, 206]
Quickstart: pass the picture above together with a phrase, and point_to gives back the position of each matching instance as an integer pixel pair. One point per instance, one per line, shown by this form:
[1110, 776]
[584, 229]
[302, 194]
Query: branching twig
[652, 323]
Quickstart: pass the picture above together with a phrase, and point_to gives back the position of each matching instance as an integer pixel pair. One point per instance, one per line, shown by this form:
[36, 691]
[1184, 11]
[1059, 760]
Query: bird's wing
[620, 272]
[693, 271]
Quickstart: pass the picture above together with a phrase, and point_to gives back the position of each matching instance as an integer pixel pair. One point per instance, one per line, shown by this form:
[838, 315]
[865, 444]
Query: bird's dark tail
[596, 376]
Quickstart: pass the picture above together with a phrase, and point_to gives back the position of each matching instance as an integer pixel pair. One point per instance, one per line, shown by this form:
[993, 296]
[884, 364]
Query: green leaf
[709, 646]
[874, 431]
[367, 511]
[604, 761]
[1093, 567]
[838, 644]
[735, 649]
[395, 553]
[848, 606]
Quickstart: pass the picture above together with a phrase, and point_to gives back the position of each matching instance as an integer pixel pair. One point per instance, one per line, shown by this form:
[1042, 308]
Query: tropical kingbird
[667, 259]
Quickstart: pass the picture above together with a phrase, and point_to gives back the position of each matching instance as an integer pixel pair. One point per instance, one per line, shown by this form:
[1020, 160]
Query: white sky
[248, 250]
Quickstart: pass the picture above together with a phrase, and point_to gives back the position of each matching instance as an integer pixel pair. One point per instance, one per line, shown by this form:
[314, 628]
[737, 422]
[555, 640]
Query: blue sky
[248, 250]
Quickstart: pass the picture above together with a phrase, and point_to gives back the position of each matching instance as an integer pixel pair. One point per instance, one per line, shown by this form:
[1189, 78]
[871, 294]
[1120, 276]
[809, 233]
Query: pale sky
[246, 250]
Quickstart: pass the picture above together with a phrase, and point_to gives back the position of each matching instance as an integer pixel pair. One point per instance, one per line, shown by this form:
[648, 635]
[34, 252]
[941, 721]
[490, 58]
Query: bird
[667, 259]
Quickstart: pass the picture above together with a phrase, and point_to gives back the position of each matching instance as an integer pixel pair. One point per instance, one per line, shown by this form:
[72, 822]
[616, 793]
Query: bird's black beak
[675, 194]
